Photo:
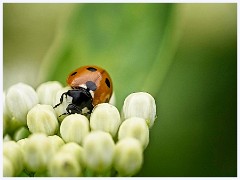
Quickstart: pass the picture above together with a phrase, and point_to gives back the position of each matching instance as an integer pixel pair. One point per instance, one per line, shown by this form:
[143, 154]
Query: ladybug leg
[63, 114]
[61, 99]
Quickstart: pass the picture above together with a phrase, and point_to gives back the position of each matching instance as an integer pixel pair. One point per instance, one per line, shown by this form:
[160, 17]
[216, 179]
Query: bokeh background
[185, 55]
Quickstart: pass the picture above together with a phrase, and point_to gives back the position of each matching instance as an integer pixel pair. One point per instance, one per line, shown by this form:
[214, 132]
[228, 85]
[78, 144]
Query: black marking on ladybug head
[107, 82]
[92, 69]
[81, 101]
[73, 73]
[91, 85]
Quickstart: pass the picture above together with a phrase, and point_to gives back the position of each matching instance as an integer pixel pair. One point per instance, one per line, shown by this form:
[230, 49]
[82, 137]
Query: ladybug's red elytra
[91, 85]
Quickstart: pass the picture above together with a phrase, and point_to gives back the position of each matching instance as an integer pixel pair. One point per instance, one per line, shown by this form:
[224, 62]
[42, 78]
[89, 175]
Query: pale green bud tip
[113, 99]
[12, 151]
[76, 150]
[99, 150]
[37, 152]
[56, 142]
[8, 170]
[136, 128]
[105, 117]
[140, 104]
[6, 115]
[128, 157]
[20, 98]
[22, 143]
[64, 165]
[42, 119]
[74, 128]
[47, 92]
[21, 133]
[7, 137]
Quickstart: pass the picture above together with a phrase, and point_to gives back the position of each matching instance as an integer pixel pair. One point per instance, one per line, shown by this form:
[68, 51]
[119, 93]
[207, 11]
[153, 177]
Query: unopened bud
[37, 152]
[22, 143]
[99, 150]
[56, 142]
[7, 137]
[74, 128]
[47, 92]
[112, 100]
[21, 133]
[13, 152]
[105, 117]
[20, 98]
[6, 115]
[8, 170]
[64, 165]
[76, 150]
[128, 157]
[42, 119]
[135, 127]
[140, 104]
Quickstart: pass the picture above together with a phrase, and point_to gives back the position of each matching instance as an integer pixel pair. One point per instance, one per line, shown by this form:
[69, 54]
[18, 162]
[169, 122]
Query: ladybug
[90, 85]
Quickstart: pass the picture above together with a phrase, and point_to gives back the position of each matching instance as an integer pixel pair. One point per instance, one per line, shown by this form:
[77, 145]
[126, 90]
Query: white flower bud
[74, 128]
[62, 107]
[136, 128]
[37, 152]
[42, 119]
[21, 133]
[20, 98]
[99, 150]
[7, 137]
[22, 143]
[56, 142]
[112, 100]
[105, 117]
[47, 92]
[13, 152]
[8, 170]
[140, 104]
[76, 150]
[64, 165]
[6, 115]
[128, 157]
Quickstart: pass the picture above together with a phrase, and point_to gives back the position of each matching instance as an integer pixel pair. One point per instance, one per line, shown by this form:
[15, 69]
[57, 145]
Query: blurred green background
[185, 55]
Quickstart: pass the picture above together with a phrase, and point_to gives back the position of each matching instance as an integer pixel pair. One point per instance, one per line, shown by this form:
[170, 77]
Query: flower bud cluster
[40, 142]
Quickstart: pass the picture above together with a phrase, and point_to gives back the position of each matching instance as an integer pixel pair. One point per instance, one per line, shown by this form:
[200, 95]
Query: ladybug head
[81, 101]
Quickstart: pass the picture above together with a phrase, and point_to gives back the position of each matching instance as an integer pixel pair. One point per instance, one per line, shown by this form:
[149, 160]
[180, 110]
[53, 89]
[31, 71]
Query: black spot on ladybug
[73, 73]
[107, 82]
[92, 69]
[91, 85]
